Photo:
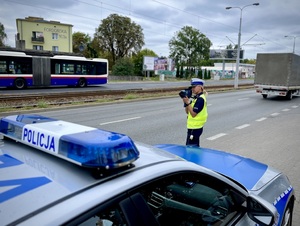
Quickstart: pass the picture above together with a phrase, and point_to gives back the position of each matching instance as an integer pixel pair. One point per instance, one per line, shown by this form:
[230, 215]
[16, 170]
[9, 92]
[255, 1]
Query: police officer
[196, 110]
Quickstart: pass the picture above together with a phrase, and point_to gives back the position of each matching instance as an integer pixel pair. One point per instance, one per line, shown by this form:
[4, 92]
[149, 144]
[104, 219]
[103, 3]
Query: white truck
[277, 74]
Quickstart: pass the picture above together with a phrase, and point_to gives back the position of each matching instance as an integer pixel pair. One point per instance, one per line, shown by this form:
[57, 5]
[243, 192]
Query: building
[35, 33]
[227, 70]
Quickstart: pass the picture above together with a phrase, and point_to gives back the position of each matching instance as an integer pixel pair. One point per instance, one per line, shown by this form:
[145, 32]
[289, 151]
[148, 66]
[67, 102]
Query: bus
[20, 70]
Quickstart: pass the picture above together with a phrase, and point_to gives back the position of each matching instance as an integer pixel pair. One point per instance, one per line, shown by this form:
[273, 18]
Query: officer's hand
[186, 100]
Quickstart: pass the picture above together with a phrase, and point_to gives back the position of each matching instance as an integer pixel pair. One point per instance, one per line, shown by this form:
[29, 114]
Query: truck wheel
[19, 83]
[289, 95]
[265, 96]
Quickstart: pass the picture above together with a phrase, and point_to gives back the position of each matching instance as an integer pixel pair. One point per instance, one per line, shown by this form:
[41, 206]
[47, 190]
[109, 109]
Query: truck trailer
[277, 74]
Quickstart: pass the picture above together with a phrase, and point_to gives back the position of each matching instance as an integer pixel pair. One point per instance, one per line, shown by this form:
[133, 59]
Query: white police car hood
[251, 174]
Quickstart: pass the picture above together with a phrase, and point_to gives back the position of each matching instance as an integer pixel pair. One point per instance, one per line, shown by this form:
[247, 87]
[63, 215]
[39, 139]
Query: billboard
[157, 64]
[148, 64]
[160, 63]
[227, 54]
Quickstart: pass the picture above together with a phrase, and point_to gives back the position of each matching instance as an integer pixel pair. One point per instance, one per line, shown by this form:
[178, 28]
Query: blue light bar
[82, 145]
[108, 149]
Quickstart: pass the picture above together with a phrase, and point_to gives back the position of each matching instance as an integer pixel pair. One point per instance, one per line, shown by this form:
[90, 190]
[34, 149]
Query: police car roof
[27, 166]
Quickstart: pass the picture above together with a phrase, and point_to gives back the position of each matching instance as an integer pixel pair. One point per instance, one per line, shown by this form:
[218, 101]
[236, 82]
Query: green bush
[123, 66]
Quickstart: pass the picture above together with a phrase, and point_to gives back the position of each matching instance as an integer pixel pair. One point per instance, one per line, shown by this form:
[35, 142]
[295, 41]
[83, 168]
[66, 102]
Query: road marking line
[275, 114]
[216, 136]
[242, 126]
[122, 120]
[261, 119]
[286, 109]
[295, 106]
[244, 98]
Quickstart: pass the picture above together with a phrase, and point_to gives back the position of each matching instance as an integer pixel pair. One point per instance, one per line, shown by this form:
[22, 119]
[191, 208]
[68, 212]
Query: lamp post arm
[239, 42]
[294, 44]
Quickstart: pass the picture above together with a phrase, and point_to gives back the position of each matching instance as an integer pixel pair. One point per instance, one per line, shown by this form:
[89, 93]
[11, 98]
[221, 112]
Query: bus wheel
[19, 83]
[81, 83]
[265, 96]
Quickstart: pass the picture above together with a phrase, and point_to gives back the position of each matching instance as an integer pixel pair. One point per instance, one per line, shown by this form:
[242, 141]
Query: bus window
[3, 68]
[81, 69]
[19, 66]
[101, 68]
[78, 70]
[12, 67]
[57, 68]
[84, 69]
[92, 69]
[27, 68]
[68, 69]
[18, 69]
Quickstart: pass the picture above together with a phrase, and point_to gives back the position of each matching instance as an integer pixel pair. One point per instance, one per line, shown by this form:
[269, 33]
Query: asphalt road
[241, 122]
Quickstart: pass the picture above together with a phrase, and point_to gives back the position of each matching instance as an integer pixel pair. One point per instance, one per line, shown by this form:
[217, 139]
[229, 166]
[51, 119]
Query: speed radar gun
[188, 92]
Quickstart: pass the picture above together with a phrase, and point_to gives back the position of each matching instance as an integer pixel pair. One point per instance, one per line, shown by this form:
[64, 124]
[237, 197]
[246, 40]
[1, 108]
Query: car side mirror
[260, 211]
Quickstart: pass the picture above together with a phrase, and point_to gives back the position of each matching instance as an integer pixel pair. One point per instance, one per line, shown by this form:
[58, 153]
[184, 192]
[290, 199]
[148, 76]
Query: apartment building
[38, 34]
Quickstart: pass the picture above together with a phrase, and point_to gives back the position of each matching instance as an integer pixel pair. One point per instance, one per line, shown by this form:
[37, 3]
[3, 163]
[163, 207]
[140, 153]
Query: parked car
[55, 172]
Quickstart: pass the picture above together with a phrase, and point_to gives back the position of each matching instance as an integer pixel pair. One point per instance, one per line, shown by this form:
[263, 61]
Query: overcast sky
[264, 27]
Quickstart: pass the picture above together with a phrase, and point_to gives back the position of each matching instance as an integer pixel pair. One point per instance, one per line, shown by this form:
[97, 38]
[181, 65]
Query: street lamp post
[287, 36]
[236, 79]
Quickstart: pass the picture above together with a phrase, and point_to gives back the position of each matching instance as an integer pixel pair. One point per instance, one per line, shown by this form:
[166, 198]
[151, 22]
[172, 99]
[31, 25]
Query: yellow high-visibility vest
[200, 119]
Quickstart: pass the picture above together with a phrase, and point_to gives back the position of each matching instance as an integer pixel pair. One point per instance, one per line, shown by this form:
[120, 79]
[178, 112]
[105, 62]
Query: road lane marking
[242, 126]
[275, 114]
[244, 98]
[261, 119]
[216, 136]
[246, 125]
[121, 120]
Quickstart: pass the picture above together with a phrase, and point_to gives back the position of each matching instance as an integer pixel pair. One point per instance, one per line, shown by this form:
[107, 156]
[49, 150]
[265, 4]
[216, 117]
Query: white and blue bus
[21, 70]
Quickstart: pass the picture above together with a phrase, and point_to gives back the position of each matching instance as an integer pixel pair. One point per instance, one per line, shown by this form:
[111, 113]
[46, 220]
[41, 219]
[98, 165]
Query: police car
[55, 172]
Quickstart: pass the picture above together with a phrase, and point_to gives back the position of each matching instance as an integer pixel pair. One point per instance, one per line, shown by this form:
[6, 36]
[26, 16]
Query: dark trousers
[193, 137]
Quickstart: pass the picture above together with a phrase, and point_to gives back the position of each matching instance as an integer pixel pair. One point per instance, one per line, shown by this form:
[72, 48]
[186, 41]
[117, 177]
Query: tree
[119, 36]
[3, 35]
[209, 74]
[138, 60]
[205, 74]
[200, 74]
[189, 46]
[249, 61]
[230, 46]
[181, 71]
[80, 43]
